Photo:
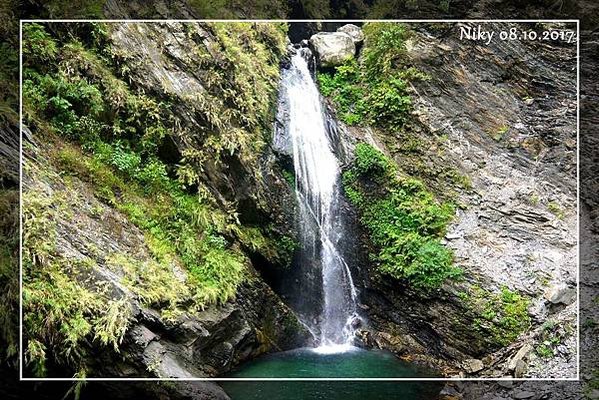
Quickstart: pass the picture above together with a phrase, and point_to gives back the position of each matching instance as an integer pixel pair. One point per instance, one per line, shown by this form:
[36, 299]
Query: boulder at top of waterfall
[353, 31]
[332, 48]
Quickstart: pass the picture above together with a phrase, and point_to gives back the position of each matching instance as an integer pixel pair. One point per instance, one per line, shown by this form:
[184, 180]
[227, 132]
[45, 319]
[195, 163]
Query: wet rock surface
[589, 253]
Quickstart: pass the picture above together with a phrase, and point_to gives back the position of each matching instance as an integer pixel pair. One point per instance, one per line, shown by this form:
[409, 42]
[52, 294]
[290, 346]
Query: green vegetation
[555, 209]
[9, 191]
[60, 313]
[208, 9]
[589, 323]
[592, 384]
[455, 177]
[403, 220]
[113, 136]
[71, 9]
[289, 177]
[444, 6]
[229, 9]
[389, 9]
[9, 278]
[502, 316]
[374, 90]
[9, 63]
[500, 133]
[544, 351]
[279, 251]
[552, 335]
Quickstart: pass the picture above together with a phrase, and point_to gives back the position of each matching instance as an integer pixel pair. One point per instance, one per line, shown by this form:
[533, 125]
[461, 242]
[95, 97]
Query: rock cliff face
[494, 129]
[102, 245]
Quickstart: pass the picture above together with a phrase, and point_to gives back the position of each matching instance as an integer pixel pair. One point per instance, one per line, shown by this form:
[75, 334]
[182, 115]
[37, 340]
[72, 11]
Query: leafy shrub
[389, 102]
[384, 48]
[151, 172]
[374, 91]
[371, 162]
[403, 220]
[61, 100]
[177, 225]
[39, 48]
[504, 315]
[9, 274]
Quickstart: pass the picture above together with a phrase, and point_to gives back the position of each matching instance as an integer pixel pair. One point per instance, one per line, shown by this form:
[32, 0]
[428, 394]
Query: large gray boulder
[353, 31]
[332, 48]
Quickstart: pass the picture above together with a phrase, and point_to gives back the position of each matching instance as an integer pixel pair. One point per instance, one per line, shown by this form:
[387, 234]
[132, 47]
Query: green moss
[502, 316]
[277, 250]
[403, 220]
[555, 209]
[239, 103]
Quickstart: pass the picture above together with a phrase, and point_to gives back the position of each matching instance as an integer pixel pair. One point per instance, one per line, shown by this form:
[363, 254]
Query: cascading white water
[317, 176]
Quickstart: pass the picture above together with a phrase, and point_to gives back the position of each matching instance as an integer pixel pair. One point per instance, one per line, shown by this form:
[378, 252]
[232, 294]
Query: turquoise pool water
[312, 363]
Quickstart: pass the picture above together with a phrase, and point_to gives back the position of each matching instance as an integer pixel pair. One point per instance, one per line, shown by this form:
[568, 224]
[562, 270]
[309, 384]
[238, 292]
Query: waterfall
[317, 180]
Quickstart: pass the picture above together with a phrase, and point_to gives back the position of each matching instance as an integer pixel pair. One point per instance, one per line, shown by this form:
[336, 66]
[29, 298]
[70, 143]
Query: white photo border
[262, 379]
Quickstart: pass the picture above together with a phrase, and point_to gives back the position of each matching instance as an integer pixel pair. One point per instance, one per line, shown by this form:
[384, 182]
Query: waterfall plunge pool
[353, 362]
[342, 361]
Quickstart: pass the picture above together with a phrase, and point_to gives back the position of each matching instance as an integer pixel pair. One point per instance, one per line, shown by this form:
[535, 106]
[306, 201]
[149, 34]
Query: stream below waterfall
[322, 233]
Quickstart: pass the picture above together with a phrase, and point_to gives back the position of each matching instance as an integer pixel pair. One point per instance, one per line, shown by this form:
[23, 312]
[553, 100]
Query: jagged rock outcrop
[194, 344]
